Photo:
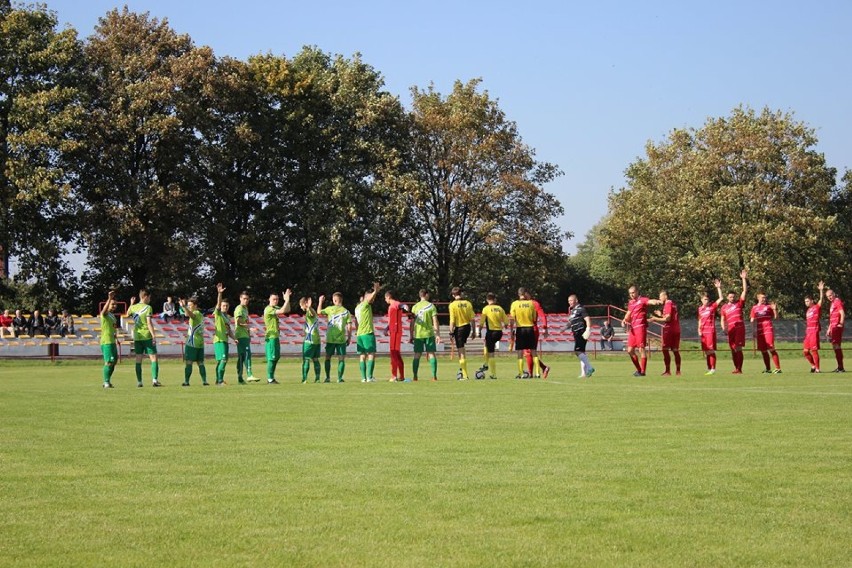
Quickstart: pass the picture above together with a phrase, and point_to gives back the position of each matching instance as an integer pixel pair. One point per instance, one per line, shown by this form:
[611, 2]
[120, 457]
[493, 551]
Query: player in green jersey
[242, 334]
[108, 346]
[425, 333]
[144, 342]
[193, 352]
[311, 345]
[365, 338]
[338, 334]
[273, 334]
[221, 334]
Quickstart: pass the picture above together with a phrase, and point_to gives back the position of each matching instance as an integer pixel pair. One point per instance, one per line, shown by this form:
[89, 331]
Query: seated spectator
[169, 310]
[607, 332]
[20, 324]
[6, 325]
[37, 326]
[51, 323]
[66, 324]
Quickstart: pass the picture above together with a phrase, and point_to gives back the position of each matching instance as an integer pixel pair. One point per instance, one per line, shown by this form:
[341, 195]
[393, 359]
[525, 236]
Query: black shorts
[491, 339]
[579, 343]
[525, 338]
[461, 334]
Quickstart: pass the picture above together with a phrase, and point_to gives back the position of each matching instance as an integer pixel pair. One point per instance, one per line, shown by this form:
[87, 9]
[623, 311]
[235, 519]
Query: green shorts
[426, 344]
[193, 354]
[144, 347]
[310, 350]
[110, 352]
[366, 343]
[220, 349]
[335, 349]
[273, 349]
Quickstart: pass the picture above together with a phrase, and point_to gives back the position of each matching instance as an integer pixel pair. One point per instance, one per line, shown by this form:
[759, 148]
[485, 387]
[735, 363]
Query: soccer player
[733, 322]
[670, 319]
[338, 334]
[365, 337]
[395, 311]
[834, 334]
[522, 312]
[581, 327]
[271, 313]
[193, 351]
[637, 335]
[108, 346]
[425, 334]
[493, 321]
[535, 364]
[311, 344]
[810, 347]
[222, 332]
[242, 335]
[707, 326]
[144, 342]
[461, 316]
[762, 314]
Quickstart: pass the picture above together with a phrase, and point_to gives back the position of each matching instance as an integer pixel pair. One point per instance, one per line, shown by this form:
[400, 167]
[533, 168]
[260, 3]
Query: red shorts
[765, 341]
[835, 335]
[395, 341]
[811, 340]
[736, 336]
[708, 340]
[671, 338]
[637, 336]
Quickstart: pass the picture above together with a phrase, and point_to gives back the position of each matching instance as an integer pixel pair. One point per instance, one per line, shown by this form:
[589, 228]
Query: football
[480, 374]
[459, 376]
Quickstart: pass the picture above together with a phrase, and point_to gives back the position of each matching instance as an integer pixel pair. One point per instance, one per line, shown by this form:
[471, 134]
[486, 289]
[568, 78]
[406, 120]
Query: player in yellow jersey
[492, 322]
[524, 315]
[461, 316]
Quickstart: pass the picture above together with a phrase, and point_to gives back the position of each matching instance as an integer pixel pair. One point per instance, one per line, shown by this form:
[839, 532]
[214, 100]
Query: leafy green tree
[744, 191]
[136, 175]
[478, 213]
[39, 106]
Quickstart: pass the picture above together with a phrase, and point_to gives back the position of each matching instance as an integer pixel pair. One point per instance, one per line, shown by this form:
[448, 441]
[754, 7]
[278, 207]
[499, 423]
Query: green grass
[675, 471]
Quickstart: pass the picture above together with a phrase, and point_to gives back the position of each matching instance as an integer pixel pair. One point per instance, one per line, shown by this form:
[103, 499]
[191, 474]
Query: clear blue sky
[587, 83]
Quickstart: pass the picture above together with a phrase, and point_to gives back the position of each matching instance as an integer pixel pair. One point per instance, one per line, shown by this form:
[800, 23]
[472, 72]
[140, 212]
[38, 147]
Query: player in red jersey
[810, 347]
[536, 363]
[707, 326]
[395, 313]
[670, 320]
[834, 333]
[733, 323]
[637, 335]
[762, 314]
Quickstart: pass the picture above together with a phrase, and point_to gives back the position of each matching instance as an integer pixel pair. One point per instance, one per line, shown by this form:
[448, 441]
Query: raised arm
[287, 307]
[219, 290]
[371, 296]
[718, 284]
[320, 303]
[109, 300]
[744, 277]
[821, 288]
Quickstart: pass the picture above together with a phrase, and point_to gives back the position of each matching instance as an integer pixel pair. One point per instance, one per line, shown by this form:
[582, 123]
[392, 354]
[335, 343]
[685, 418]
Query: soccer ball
[480, 374]
[526, 375]
[459, 375]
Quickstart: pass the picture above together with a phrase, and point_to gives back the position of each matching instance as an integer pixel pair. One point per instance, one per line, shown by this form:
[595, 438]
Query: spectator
[37, 326]
[20, 324]
[607, 332]
[169, 310]
[66, 324]
[6, 326]
[51, 323]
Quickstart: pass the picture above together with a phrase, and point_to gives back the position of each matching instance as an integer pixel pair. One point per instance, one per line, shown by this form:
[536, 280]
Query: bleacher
[171, 337]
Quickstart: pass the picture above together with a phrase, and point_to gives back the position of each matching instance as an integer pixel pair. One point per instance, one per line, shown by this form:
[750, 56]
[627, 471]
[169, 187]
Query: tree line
[171, 168]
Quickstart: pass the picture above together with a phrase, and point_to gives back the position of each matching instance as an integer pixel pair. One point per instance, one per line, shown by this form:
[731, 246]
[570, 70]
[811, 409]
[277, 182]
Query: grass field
[677, 471]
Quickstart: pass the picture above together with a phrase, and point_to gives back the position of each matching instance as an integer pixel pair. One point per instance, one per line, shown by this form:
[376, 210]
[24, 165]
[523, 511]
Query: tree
[744, 191]
[475, 196]
[136, 175]
[39, 106]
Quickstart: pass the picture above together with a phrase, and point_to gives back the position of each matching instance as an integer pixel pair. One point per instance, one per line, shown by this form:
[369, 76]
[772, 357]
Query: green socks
[415, 365]
[341, 366]
[138, 372]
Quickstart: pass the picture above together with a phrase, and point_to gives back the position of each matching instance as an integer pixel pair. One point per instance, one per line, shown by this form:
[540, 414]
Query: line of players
[733, 324]
[526, 315]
